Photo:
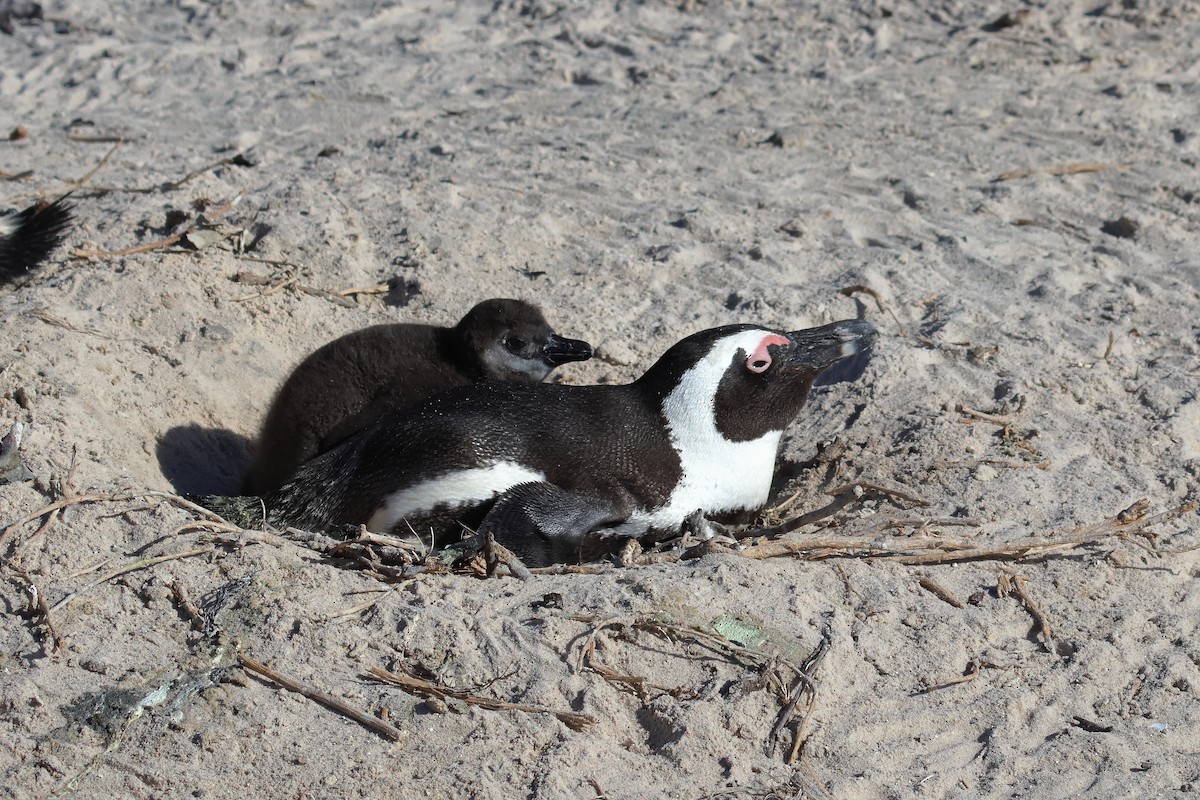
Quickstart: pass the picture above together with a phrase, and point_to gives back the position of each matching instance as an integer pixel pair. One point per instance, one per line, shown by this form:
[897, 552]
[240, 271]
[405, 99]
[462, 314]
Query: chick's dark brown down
[346, 385]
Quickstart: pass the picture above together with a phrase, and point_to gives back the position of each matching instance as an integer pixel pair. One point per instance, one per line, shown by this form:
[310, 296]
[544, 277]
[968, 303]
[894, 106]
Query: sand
[1016, 183]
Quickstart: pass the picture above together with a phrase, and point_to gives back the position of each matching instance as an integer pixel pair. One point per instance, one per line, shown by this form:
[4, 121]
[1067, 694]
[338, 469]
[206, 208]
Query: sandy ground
[1016, 182]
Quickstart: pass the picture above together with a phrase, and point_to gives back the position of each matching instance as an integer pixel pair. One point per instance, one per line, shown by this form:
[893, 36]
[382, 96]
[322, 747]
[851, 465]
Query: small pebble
[1121, 227]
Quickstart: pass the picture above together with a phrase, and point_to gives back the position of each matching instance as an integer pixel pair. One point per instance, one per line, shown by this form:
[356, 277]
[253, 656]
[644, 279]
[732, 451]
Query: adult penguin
[546, 467]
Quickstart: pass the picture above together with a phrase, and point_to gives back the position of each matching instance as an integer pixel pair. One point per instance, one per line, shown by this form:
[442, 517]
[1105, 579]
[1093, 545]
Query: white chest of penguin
[717, 474]
[726, 477]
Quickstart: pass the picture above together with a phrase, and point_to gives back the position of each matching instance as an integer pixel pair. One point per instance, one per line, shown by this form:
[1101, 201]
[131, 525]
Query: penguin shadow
[848, 370]
[199, 461]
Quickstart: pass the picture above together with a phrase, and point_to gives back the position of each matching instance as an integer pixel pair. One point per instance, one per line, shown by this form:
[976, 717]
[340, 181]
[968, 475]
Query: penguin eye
[515, 344]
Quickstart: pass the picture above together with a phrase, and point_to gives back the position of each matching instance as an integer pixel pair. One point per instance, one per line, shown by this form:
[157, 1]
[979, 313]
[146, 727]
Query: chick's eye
[515, 344]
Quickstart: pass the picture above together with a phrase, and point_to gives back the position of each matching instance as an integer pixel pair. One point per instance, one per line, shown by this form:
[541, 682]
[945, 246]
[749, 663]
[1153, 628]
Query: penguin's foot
[703, 528]
[543, 524]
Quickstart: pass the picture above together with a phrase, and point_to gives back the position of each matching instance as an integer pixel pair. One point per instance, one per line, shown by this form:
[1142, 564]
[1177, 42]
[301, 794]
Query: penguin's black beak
[557, 350]
[816, 349]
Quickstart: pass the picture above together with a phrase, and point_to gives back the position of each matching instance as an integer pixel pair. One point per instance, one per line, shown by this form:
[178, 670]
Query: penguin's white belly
[723, 477]
[450, 490]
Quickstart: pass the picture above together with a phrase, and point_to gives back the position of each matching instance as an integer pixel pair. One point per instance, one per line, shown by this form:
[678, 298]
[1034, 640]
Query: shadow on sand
[199, 460]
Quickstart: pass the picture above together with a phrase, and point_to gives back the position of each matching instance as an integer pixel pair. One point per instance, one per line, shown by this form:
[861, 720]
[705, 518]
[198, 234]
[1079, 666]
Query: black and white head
[726, 396]
[742, 381]
[27, 237]
[513, 341]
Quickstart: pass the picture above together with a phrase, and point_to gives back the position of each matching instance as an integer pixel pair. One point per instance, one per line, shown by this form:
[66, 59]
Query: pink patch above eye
[760, 359]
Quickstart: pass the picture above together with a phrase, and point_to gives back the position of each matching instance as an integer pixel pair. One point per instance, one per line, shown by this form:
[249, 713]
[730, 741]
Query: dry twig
[973, 671]
[940, 592]
[384, 729]
[809, 669]
[423, 688]
[1064, 169]
[497, 554]
[217, 213]
[37, 609]
[850, 291]
[930, 550]
[143, 564]
[1019, 586]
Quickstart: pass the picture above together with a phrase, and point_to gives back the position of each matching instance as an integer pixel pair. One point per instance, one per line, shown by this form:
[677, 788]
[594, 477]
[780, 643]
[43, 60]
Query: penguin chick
[549, 468]
[347, 384]
[28, 237]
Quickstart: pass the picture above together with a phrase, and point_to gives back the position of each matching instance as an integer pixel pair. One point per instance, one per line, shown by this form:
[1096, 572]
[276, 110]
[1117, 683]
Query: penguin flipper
[544, 524]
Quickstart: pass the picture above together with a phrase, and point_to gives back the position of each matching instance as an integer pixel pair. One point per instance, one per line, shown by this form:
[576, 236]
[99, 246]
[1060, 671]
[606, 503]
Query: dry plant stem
[573, 720]
[497, 554]
[143, 564]
[78, 183]
[197, 173]
[7, 532]
[970, 412]
[12, 527]
[973, 671]
[886, 491]
[51, 518]
[940, 592]
[38, 608]
[637, 684]
[943, 551]
[206, 525]
[849, 291]
[78, 137]
[380, 289]
[843, 496]
[187, 504]
[1021, 589]
[375, 724]
[256, 537]
[571, 569]
[839, 502]
[809, 671]
[195, 615]
[1064, 169]
[349, 612]
[929, 522]
[161, 243]
[79, 573]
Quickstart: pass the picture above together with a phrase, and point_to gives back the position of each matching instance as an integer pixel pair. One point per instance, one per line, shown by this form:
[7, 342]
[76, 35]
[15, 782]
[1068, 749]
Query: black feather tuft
[28, 237]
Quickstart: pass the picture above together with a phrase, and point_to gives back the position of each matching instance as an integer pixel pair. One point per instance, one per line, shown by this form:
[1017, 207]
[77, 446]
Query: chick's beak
[557, 350]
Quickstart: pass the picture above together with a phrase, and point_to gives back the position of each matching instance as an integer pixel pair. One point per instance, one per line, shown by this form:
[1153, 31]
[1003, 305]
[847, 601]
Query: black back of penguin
[349, 383]
[461, 448]
[543, 465]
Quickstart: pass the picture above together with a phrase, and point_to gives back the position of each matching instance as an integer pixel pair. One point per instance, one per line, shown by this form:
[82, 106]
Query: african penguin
[542, 466]
[350, 382]
[27, 237]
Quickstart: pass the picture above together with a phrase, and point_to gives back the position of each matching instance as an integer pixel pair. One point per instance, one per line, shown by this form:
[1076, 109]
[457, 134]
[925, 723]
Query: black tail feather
[28, 237]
